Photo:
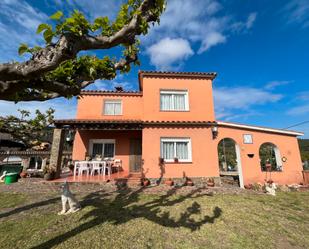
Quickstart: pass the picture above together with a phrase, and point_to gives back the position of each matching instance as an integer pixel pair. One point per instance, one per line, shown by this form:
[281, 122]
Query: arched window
[227, 155]
[270, 154]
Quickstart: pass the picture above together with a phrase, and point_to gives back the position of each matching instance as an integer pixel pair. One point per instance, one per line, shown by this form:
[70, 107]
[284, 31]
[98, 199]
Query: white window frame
[101, 141]
[112, 101]
[175, 140]
[173, 93]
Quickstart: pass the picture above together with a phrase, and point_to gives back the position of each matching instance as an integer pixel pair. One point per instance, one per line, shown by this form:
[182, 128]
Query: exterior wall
[91, 107]
[252, 173]
[204, 153]
[204, 148]
[122, 143]
[201, 105]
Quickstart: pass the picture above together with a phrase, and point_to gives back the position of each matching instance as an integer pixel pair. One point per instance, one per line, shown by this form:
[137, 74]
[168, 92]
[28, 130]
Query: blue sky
[258, 48]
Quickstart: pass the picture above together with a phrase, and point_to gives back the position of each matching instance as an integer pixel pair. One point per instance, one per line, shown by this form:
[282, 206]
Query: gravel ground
[35, 185]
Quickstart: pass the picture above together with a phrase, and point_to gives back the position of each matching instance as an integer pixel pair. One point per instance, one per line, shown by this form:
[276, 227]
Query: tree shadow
[30, 206]
[127, 206]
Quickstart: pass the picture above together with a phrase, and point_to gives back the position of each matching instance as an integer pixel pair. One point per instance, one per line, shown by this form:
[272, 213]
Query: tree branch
[68, 46]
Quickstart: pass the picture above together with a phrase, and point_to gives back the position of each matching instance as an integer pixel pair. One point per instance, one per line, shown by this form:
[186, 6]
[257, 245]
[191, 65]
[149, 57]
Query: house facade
[168, 129]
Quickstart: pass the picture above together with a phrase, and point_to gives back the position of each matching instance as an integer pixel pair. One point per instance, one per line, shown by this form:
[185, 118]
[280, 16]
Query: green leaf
[56, 16]
[42, 27]
[48, 35]
[23, 48]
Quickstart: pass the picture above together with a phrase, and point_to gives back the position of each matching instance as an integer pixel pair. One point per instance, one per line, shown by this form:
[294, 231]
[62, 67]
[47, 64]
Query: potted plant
[210, 182]
[189, 182]
[268, 166]
[23, 174]
[169, 182]
[71, 167]
[176, 160]
[248, 186]
[146, 182]
[49, 173]
[270, 181]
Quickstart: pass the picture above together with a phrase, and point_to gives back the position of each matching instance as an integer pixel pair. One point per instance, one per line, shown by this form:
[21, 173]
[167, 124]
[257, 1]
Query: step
[138, 174]
[229, 181]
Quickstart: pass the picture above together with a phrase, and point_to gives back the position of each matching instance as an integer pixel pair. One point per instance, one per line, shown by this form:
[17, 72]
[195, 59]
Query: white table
[108, 163]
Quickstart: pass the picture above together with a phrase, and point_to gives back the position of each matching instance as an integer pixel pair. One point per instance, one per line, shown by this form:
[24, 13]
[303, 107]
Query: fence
[25, 158]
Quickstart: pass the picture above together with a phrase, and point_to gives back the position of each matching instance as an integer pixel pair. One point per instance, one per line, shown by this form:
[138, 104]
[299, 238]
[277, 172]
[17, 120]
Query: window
[103, 147]
[227, 155]
[179, 148]
[248, 139]
[270, 155]
[174, 101]
[112, 107]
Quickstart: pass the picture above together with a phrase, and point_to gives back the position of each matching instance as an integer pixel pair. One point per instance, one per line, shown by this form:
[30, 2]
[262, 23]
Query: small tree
[29, 131]
[55, 70]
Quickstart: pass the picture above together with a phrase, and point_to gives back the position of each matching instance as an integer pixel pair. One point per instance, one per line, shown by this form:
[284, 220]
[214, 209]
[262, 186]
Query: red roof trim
[127, 121]
[107, 92]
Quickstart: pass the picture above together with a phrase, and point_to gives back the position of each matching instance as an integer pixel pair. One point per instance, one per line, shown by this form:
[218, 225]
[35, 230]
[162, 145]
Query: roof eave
[259, 128]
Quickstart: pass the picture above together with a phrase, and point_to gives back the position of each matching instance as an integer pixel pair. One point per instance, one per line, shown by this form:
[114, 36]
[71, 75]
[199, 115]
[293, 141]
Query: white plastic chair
[117, 164]
[107, 165]
[83, 167]
[76, 168]
[96, 167]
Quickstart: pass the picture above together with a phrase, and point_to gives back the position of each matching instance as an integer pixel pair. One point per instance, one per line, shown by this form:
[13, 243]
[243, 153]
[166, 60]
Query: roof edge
[210, 75]
[260, 128]
[107, 92]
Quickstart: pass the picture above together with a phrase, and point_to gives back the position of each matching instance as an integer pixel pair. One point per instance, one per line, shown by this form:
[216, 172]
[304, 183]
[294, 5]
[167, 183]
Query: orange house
[168, 129]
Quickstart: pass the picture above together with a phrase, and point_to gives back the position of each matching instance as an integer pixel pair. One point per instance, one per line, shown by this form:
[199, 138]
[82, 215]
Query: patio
[98, 178]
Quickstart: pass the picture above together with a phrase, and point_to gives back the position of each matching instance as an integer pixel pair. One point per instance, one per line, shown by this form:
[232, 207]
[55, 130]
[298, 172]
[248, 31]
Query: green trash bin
[10, 178]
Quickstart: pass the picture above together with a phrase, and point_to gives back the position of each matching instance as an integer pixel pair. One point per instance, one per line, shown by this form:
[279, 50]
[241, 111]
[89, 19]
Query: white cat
[67, 196]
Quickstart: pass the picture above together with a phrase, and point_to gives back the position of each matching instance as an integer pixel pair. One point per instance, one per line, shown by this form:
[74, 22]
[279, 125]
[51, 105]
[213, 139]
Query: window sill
[172, 162]
[273, 171]
[174, 110]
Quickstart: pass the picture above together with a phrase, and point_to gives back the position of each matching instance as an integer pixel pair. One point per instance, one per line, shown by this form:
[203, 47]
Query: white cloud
[167, 52]
[210, 40]
[297, 11]
[251, 19]
[193, 22]
[246, 25]
[64, 108]
[93, 8]
[231, 100]
[299, 110]
[273, 84]
[110, 85]
[120, 80]
[303, 96]
[204, 23]
[18, 23]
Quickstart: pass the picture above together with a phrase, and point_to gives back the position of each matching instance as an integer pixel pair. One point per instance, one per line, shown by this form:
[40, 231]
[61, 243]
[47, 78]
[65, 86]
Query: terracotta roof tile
[109, 92]
[95, 121]
[169, 73]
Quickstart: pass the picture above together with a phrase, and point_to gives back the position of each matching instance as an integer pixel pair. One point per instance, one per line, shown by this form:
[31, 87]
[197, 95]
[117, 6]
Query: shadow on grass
[125, 207]
[30, 206]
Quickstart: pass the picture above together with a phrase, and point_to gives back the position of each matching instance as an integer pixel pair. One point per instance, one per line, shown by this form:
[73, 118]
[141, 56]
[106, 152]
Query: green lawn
[129, 219]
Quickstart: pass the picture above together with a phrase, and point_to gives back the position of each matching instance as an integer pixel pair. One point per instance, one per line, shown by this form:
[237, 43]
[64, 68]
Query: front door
[135, 155]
